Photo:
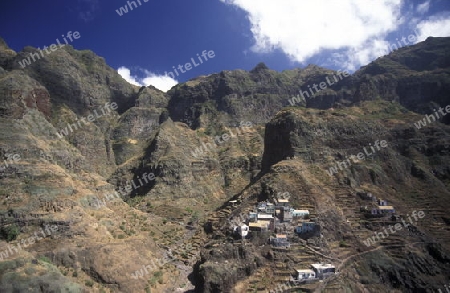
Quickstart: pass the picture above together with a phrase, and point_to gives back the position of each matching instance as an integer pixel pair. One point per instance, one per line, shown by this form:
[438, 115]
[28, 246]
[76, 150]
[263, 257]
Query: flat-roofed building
[259, 226]
[280, 240]
[282, 203]
[286, 214]
[305, 274]
[323, 270]
[266, 217]
[305, 227]
[383, 210]
[299, 213]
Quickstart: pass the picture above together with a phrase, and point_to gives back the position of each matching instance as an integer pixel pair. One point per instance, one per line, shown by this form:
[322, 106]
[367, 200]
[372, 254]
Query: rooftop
[322, 266]
[386, 207]
[258, 224]
[265, 216]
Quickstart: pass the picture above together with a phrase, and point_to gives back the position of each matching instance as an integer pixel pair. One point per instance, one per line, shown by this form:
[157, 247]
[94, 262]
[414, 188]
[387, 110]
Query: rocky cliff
[139, 190]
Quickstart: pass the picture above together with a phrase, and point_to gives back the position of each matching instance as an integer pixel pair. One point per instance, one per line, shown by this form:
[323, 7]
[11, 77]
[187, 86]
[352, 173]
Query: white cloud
[126, 74]
[360, 55]
[161, 82]
[424, 7]
[302, 29]
[435, 26]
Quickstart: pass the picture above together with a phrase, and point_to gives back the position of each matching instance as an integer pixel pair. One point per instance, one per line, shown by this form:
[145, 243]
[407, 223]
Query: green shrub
[89, 283]
[9, 233]
[45, 259]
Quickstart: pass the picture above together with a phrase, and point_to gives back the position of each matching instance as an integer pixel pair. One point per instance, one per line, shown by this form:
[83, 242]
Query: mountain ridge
[187, 204]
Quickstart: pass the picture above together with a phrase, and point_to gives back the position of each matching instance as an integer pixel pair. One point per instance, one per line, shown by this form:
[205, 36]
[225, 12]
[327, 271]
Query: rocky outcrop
[193, 142]
[233, 96]
[414, 76]
[223, 266]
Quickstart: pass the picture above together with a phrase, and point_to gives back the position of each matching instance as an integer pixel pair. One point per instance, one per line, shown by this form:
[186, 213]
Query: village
[286, 224]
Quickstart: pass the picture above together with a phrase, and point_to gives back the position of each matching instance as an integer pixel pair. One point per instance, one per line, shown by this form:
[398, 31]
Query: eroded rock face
[234, 96]
[83, 79]
[67, 180]
[223, 266]
[415, 76]
[20, 92]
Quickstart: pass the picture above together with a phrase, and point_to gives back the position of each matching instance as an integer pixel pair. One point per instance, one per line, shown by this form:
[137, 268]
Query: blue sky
[147, 41]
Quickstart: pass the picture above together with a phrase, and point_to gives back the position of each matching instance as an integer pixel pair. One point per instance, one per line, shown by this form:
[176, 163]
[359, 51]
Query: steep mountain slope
[415, 76]
[140, 194]
[68, 170]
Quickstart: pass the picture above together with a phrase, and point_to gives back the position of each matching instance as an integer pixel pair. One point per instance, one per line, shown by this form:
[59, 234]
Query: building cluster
[274, 217]
[377, 207]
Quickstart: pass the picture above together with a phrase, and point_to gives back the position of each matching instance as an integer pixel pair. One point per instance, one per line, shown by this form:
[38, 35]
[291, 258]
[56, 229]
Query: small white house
[242, 230]
[299, 213]
[323, 270]
[253, 217]
[264, 217]
[305, 274]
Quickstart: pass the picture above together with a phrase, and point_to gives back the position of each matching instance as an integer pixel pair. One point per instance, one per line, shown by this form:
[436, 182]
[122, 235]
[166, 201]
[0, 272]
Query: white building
[242, 230]
[323, 270]
[299, 213]
[264, 217]
[253, 217]
[305, 274]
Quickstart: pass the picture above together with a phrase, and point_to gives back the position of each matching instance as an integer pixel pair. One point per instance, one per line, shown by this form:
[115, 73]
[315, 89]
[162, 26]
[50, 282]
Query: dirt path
[325, 282]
